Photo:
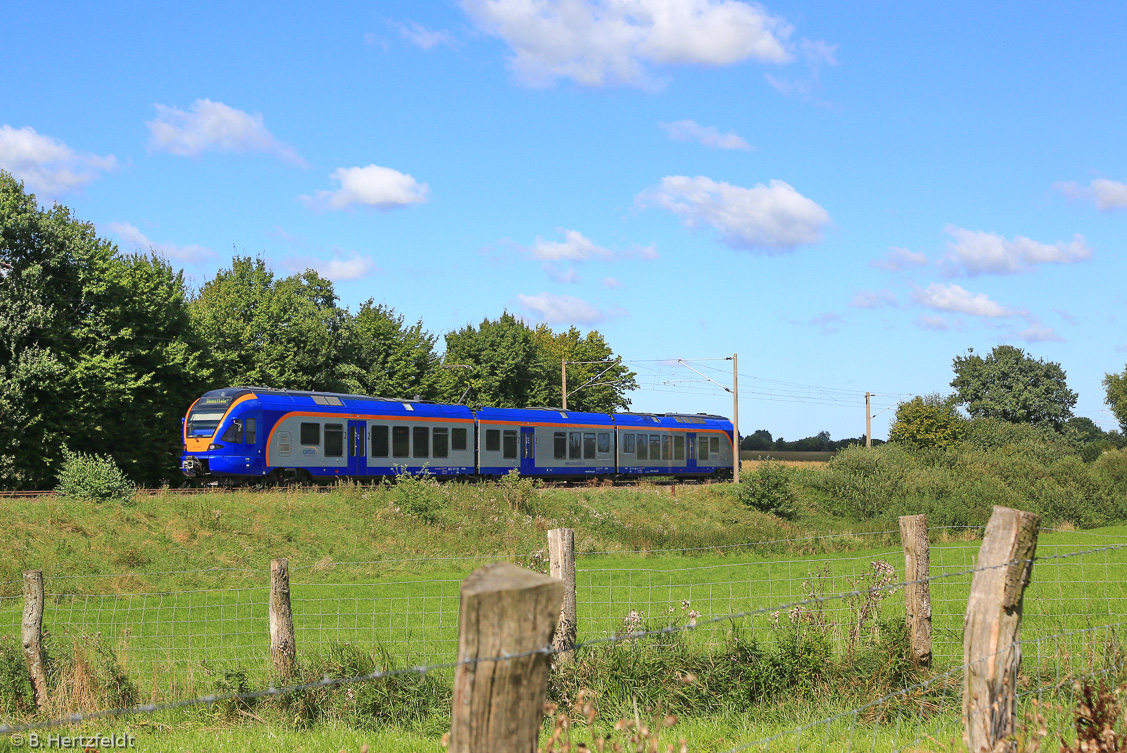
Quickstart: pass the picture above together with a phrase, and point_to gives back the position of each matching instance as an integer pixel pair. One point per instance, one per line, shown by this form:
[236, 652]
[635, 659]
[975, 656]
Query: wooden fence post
[917, 596]
[283, 645]
[498, 705]
[991, 632]
[561, 559]
[31, 634]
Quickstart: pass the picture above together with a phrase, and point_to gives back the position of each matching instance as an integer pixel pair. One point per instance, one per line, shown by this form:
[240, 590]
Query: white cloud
[213, 126]
[934, 323]
[129, 234]
[597, 43]
[611, 282]
[424, 38]
[47, 165]
[816, 53]
[772, 218]
[1039, 333]
[1107, 195]
[564, 276]
[561, 309]
[336, 269]
[643, 253]
[827, 323]
[973, 252]
[688, 130]
[371, 186]
[900, 258]
[955, 299]
[574, 247]
[870, 299]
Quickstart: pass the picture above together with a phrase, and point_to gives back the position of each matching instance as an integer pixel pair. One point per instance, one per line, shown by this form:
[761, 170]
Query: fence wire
[1070, 630]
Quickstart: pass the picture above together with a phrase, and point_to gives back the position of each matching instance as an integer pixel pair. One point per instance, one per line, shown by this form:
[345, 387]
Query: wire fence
[1074, 610]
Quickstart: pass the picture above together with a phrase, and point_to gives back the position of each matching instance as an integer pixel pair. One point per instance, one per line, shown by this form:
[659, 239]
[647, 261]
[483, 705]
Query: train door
[691, 450]
[357, 448]
[527, 450]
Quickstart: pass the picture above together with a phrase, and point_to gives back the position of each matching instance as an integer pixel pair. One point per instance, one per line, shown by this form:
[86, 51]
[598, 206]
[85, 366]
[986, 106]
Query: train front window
[204, 417]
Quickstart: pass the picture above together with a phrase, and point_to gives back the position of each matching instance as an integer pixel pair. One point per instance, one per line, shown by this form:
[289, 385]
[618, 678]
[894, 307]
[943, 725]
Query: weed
[1098, 720]
[16, 695]
[518, 491]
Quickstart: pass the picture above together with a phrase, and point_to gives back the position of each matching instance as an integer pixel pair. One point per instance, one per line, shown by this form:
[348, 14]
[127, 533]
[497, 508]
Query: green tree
[1115, 386]
[760, 439]
[505, 368]
[95, 349]
[1013, 387]
[596, 380]
[283, 333]
[928, 421]
[384, 357]
[514, 366]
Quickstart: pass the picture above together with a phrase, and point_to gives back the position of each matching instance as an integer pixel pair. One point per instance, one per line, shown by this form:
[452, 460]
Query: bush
[419, 495]
[928, 421]
[770, 488]
[862, 481]
[95, 478]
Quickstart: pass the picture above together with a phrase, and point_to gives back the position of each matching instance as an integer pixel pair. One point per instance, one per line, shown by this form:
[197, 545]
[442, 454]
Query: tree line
[102, 352]
[1013, 387]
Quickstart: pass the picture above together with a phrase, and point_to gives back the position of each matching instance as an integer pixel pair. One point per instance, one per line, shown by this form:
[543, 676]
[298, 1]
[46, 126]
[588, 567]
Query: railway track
[191, 490]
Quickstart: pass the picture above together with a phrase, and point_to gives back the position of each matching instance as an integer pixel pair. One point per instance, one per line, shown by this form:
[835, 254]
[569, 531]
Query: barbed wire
[547, 650]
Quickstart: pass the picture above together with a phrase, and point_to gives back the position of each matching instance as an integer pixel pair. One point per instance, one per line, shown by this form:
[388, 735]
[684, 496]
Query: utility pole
[868, 422]
[563, 367]
[736, 417]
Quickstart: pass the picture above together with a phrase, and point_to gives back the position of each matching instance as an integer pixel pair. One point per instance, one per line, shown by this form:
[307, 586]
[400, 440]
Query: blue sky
[847, 195]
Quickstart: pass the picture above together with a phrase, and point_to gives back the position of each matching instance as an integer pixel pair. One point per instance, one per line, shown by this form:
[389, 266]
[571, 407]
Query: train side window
[492, 440]
[575, 446]
[588, 446]
[655, 447]
[510, 452]
[380, 447]
[714, 445]
[422, 441]
[559, 445]
[334, 440]
[628, 444]
[679, 447]
[604, 442]
[234, 433]
[252, 431]
[440, 439]
[643, 448]
[703, 448]
[665, 447]
[400, 441]
[311, 434]
[458, 439]
[284, 443]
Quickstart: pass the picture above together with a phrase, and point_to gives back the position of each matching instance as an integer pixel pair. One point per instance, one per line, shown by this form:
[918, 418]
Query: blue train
[259, 435]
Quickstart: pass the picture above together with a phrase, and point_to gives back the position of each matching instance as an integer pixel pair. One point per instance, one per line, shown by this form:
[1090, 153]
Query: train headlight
[214, 447]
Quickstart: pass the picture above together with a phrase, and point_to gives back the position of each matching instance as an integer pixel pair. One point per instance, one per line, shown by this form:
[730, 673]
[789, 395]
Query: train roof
[284, 398]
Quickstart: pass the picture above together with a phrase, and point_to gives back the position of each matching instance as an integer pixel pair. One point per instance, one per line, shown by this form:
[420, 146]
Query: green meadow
[165, 599]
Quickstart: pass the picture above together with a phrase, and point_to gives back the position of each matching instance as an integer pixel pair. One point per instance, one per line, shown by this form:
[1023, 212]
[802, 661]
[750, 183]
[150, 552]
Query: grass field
[178, 629]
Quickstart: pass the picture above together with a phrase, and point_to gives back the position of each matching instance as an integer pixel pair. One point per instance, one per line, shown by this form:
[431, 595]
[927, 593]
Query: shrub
[770, 488]
[95, 478]
[862, 481]
[419, 495]
[928, 421]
